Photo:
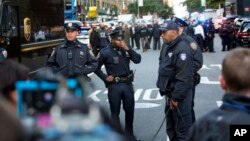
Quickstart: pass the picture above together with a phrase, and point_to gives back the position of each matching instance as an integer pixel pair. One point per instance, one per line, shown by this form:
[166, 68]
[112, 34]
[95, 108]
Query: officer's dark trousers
[192, 105]
[124, 92]
[179, 120]
[137, 42]
[132, 41]
[210, 44]
[156, 42]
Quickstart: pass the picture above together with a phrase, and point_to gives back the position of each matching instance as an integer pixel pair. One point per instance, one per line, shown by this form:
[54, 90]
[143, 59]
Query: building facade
[237, 7]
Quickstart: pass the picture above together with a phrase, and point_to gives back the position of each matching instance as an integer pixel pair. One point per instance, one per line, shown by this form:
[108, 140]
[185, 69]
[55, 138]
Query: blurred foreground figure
[235, 110]
[11, 72]
[52, 108]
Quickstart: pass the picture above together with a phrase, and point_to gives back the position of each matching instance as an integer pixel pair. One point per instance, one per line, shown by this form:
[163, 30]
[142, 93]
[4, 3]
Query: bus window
[9, 25]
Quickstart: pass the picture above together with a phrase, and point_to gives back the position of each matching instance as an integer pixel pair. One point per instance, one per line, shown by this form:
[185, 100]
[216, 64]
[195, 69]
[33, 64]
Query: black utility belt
[122, 79]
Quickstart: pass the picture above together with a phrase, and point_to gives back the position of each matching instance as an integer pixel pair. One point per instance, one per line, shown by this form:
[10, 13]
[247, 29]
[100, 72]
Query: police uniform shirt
[197, 54]
[176, 67]
[72, 59]
[116, 61]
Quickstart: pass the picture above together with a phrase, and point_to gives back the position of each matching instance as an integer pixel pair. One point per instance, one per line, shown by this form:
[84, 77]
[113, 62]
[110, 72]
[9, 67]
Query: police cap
[71, 27]
[169, 25]
[179, 21]
[117, 34]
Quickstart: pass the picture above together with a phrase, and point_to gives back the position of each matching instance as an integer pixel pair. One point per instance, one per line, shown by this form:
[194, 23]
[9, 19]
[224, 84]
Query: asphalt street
[149, 111]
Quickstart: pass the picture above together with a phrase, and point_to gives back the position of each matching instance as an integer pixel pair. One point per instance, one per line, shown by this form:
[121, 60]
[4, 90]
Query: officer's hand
[173, 104]
[124, 46]
[110, 78]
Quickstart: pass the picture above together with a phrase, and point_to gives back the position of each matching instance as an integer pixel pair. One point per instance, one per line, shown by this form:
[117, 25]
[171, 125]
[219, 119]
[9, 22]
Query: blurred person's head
[235, 72]
[170, 31]
[11, 72]
[10, 126]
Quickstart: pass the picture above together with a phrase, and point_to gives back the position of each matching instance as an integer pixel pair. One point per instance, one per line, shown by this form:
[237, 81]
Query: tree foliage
[150, 6]
[195, 5]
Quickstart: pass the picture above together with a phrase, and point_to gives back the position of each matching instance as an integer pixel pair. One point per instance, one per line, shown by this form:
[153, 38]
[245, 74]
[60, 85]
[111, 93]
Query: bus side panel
[41, 29]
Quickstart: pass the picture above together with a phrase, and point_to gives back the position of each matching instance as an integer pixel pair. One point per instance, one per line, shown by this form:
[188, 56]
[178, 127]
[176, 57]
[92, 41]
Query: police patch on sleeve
[5, 54]
[193, 45]
[183, 56]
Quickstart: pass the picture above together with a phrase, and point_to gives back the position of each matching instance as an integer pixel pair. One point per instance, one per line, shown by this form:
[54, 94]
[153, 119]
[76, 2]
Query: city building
[237, 7]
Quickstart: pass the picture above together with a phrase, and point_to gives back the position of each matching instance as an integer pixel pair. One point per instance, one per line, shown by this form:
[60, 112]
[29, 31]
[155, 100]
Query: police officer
[175, 81]
[197, 57]
[72, 58]
[119, 78]
[103, 40]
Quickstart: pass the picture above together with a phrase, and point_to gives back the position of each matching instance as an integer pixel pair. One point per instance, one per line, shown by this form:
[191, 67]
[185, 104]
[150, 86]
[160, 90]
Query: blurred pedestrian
[72, 58]
[156, 36]
[132, 34]
[127, 34]
[137, 36]
[210, 36]
[199, 35]
[235, 81]
[144, 35]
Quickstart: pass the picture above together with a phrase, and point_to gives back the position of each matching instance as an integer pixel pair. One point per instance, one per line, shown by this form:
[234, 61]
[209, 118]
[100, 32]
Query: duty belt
[121, 79]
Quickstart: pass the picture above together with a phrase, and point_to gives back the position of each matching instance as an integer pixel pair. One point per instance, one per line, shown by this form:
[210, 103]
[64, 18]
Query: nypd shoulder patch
[193, 45]
[183, 56]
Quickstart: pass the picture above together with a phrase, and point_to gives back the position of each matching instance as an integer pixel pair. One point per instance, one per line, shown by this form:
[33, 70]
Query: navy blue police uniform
[116, 62]
[197, 58]
[175, 82]
[103, 40]
[72, 58]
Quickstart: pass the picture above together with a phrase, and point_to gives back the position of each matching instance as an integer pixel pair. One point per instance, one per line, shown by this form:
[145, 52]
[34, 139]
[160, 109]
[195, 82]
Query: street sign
[140, 2]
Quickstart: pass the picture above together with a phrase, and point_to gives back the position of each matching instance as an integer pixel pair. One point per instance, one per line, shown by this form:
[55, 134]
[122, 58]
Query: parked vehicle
[29, 30]
[243, 36]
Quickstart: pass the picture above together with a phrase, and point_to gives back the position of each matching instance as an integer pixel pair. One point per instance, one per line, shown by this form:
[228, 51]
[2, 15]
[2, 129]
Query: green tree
[214, 4]
[166, 12]
[151, 6]
[195, 5]
[133, 8]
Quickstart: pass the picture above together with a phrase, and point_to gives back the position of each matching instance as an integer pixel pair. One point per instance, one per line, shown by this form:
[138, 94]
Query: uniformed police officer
[72, 58]
[119, 78]
[103, 37]
[175, 81]
[197, 57]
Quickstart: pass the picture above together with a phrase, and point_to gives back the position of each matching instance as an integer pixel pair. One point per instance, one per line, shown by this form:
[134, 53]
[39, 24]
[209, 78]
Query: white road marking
[219, 103]
[146, 105]
[205, 80]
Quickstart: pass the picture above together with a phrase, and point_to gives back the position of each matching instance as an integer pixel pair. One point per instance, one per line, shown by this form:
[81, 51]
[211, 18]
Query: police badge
[183, 56]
